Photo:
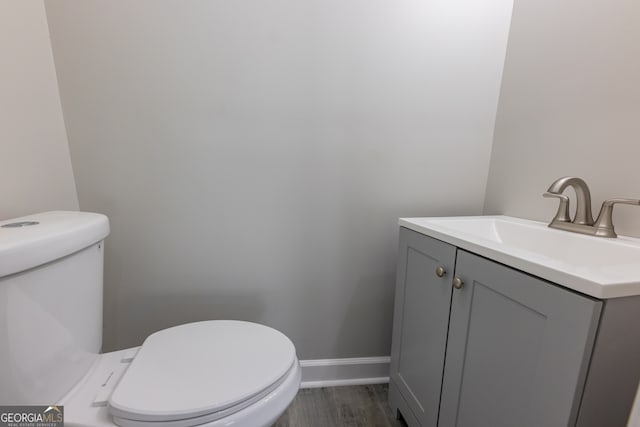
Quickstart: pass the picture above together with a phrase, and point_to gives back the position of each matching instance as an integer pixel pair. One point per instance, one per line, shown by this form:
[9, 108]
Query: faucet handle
[604, 223]
[563, 209]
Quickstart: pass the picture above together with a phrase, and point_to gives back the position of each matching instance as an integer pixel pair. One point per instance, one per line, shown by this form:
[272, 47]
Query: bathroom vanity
[504, 322]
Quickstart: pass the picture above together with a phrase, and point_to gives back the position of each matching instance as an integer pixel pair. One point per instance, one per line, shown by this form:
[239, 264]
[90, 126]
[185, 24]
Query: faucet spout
[583, 221]
[583, 208]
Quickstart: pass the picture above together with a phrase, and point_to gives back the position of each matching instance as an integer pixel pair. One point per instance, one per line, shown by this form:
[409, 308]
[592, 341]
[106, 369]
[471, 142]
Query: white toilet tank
[51, 267]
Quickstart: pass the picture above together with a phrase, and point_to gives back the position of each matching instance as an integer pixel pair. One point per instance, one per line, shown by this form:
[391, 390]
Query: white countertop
[595, 266]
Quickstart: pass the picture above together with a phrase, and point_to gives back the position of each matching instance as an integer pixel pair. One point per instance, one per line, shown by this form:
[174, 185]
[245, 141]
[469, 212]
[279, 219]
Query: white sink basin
[596, 266]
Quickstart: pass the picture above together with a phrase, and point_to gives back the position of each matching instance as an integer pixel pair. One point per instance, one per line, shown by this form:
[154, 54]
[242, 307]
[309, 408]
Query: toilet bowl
[209, 373]
[213, 373]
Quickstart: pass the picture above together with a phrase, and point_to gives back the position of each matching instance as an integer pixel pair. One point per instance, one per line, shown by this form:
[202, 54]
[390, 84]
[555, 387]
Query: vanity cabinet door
[420, 325]
[518, 349]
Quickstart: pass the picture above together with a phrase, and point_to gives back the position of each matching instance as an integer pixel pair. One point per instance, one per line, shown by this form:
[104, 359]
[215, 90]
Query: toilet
[210, 373]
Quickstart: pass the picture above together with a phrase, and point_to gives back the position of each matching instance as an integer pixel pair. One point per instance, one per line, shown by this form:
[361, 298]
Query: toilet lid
[199, 368]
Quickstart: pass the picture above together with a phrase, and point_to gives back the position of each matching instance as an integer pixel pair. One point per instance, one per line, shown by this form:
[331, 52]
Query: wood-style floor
[353, 406]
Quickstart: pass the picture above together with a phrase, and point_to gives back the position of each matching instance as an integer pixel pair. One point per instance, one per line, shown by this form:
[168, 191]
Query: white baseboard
[340, 372]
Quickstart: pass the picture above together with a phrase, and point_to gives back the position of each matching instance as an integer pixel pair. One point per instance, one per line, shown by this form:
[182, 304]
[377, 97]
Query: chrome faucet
[583, 220]
[583, 209]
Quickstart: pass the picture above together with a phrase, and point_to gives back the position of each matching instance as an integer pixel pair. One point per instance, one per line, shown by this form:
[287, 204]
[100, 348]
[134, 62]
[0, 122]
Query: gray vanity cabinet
[518, 348]
[421, 321]
[505, 349]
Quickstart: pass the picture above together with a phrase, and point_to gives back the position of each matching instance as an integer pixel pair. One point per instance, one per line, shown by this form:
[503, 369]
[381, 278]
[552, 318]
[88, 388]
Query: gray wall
[254, 156]
[569, 105]
[35, 168]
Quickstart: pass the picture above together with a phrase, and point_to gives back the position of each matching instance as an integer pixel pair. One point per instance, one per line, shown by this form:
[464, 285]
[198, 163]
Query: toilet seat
[201, 420]
[200, 372]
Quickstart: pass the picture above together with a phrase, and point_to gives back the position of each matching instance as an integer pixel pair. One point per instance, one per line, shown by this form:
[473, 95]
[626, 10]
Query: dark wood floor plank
[353, 406]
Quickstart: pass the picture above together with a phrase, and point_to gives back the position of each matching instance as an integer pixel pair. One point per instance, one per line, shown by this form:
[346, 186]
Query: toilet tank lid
[34, 240]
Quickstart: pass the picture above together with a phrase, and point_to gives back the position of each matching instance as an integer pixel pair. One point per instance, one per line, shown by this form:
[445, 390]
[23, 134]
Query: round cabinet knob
[440, 271]
[458, 283]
